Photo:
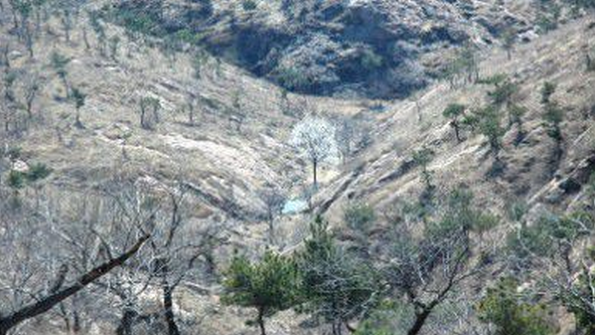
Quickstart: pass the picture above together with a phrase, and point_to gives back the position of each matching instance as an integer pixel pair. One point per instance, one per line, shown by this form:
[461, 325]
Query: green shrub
[16, 180]
[550, 232]
[489, 124]
[337, 286]
[495, 80]
[38, 172]
[389, 318]
[516, 114]
[547, 90]
[516, 210]
[292, 79]
[578, 301]
[359, 217]
[553, 117]
[503, 93]
[512, 313]
[422, 158]
[460, 213]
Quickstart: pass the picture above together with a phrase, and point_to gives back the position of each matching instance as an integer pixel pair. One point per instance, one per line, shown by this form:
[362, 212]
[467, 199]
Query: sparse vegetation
[547, 91]
[59, 63]
[154, 178]
[513, 313]
[149, 112]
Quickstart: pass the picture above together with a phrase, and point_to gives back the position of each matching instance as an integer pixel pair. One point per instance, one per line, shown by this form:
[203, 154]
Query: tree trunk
[77, 122]
[455, 125]
[30, 109]
[168, 305]
[420, 320]
[260, 321]
[169, 311]
[45, 304]
[315, 172]
[126, 322]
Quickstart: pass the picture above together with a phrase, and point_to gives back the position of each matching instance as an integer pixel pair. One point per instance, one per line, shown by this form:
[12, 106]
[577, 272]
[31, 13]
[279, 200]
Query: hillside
[117, 124]
[378, 49]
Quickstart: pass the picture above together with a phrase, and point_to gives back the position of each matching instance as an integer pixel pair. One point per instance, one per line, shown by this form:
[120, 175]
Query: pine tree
[454, 112]
[337, 286]
[270, 285]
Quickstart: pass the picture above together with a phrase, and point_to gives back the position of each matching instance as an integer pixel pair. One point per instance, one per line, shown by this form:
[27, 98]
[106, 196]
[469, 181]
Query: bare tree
[10, 105]
[32, 88]
[67, 22]
[99, 30]
[5, 57]
[78, 98]
[314, 138]
[238, 114]
[274, 200]
[176, 247]
[191, 109]
[57, 250]
[58, 293]
[59, 63]
[427, 259]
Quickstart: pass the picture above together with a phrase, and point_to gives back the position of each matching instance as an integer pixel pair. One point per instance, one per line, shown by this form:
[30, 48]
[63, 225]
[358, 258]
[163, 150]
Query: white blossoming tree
[314, 138]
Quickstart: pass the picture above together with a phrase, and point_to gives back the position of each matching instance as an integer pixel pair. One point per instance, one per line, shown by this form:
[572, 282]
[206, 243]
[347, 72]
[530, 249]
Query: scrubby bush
[38, 171]
[547, 90]
[16, 179]
[553, 117]
[512, 313]
[359, 217]
[20, 179]
[292, 79]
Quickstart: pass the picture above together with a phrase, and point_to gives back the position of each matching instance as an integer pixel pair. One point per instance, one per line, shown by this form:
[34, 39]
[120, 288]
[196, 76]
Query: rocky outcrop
[337, 47]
